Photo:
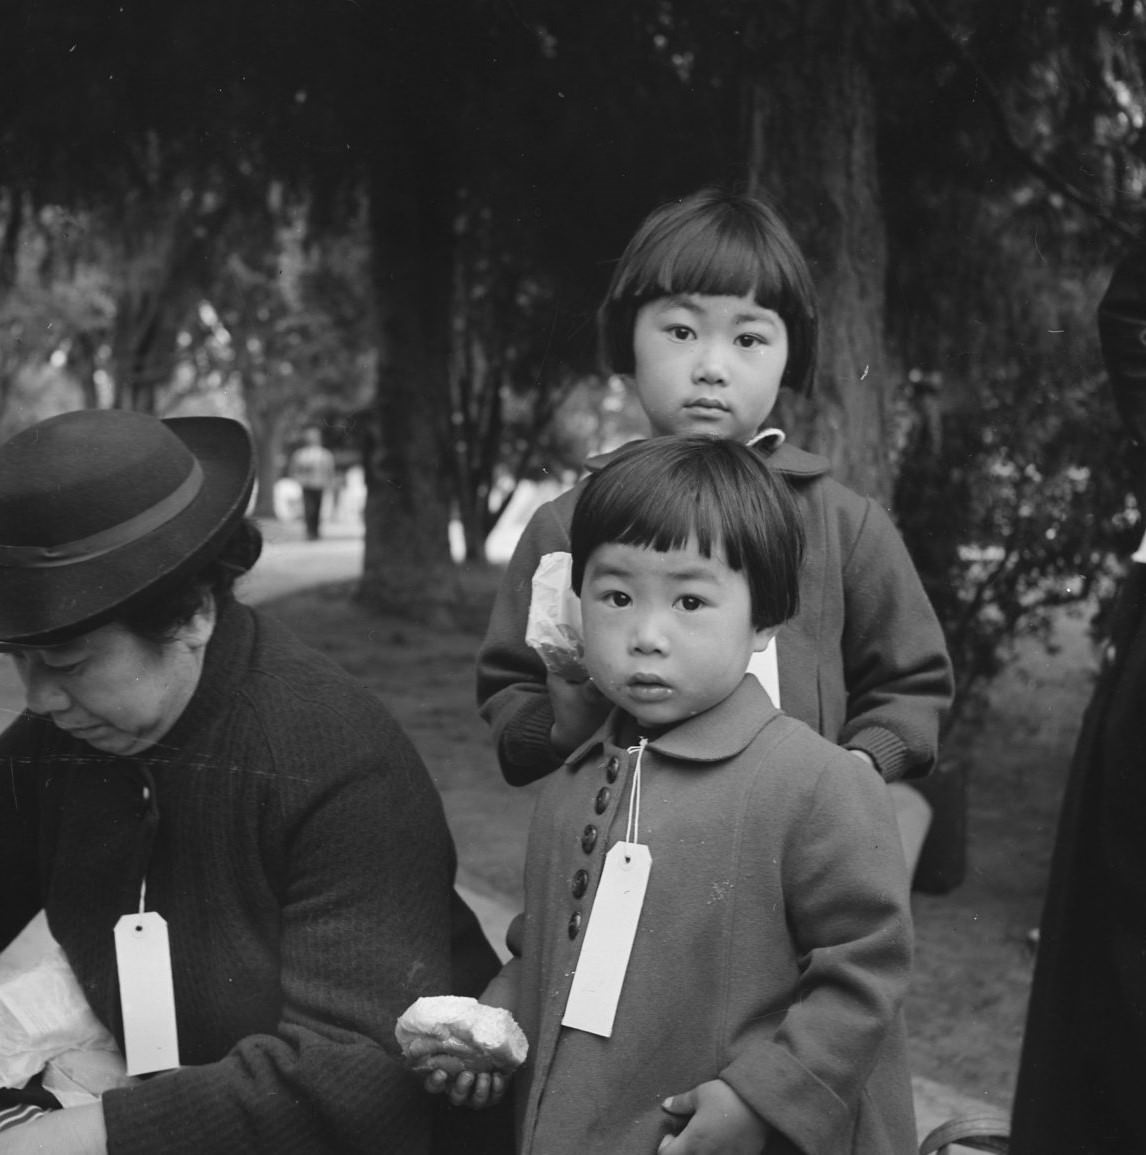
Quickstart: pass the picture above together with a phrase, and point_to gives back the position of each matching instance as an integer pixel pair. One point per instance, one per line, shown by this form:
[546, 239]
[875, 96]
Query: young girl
[711, 310]
[759, 1008]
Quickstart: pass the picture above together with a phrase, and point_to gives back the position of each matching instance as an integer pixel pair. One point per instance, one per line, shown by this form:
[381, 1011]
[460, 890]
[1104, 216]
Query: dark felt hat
[101, 505]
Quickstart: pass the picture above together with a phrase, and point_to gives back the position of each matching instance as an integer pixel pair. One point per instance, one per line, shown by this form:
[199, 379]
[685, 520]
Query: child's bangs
[734, 263]
[667, 519]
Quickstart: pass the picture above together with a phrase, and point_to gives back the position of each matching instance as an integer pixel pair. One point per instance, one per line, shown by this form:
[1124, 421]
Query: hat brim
[41, 607]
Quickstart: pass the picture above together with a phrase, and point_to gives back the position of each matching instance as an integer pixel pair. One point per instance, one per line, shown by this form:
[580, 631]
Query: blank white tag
[147, 996]
[609, 935]
[764, 667]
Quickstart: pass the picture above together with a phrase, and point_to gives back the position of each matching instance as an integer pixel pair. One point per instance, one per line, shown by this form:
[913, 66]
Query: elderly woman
[183, 758]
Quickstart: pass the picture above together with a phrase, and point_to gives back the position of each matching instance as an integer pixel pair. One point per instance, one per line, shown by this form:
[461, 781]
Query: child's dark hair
[719, 244]
[665, 491]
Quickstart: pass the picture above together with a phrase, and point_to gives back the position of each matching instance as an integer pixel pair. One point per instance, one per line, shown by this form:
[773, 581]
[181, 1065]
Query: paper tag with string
[612, 927]
[146, 991]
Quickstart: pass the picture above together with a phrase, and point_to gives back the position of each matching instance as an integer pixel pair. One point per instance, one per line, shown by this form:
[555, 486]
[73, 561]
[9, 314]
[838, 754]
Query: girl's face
[667, 635]
[115, 690]
[708, 364]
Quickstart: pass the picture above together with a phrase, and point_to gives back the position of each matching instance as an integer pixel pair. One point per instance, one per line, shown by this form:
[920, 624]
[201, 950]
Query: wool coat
[293, 841]
[1083, 1065]
[864, 661]
[773, 947]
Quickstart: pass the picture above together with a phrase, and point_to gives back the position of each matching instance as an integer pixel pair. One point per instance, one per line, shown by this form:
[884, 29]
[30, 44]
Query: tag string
[143, 894]
[633, 823]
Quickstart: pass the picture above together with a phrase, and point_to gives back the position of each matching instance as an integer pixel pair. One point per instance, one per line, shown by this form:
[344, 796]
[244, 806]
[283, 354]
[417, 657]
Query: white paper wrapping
[47, 1025]
[554, 626]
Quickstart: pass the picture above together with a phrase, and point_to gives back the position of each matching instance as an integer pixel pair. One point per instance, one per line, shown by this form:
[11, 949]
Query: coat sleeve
[846, 897]
[511, 690]
[896, 666]
[20, 896]
[365, 929]
[1122, 332]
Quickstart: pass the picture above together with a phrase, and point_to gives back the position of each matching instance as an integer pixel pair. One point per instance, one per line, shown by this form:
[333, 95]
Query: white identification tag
[764, 667]
[609, 936]
[147, 996]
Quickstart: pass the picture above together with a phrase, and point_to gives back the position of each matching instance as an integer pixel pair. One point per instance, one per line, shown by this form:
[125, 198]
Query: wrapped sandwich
[454, 1034]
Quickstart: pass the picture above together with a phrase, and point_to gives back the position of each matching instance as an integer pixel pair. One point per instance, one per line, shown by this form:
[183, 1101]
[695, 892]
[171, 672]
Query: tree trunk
[407, 566]
[812, 148]
[267, 434]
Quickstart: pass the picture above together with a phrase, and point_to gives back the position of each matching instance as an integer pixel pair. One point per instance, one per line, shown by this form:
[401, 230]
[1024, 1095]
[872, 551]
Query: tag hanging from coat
[612, 927]
[146, 991]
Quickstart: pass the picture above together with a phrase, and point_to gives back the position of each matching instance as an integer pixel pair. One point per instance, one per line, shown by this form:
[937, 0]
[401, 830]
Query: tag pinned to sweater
[609, 935]
[147, 995]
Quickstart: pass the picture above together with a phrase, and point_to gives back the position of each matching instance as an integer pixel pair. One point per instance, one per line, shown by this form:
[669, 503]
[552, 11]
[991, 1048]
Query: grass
[973, 956]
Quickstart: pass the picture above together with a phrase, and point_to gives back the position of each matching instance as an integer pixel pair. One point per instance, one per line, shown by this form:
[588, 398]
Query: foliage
[282, 337]
[1013, 509]
[507, 152]
[1012, 169]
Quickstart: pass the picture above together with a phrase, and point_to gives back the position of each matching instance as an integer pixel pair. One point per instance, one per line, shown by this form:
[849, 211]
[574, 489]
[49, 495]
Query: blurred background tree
[276, 206]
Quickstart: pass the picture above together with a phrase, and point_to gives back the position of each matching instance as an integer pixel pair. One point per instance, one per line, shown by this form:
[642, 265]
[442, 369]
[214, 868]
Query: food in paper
[46, 1024]
[454, 1034]
[554, 625]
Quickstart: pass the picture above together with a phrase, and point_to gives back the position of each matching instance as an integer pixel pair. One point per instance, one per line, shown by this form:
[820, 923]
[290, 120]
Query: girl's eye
[691, 602]
[617, 599]
[749, 340]
[68, 668]
[679, 332]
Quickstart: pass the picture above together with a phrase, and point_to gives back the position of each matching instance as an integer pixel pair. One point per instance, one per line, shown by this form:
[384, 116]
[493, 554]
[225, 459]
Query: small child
[711, 310]
[759, 1008]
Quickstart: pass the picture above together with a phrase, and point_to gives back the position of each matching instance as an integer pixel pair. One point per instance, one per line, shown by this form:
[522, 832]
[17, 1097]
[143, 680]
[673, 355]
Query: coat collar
[714, 736]
[784, 458]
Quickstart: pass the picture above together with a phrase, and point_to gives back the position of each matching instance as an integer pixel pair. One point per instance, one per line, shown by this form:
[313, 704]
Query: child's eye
[750, 340]
[617, 599]
[679, 332]
[690, 602]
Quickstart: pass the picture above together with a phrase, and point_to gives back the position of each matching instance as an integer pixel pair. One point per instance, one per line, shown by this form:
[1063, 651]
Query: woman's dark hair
[720, 244]
[158, 614]
[664, 492]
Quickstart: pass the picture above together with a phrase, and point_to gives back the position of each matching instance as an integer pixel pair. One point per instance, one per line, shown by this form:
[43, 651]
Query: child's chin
[658, 719]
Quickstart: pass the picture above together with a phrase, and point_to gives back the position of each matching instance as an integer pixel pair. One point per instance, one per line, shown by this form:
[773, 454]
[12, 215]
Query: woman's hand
[720, 1123]
[475, 1089]
[75, 1131]
[578, 709]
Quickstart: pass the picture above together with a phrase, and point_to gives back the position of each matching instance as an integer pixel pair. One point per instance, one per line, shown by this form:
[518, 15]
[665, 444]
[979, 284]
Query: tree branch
[995, 107]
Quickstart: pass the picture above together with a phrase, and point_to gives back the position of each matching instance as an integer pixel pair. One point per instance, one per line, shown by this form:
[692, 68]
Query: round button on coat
[602, 801]
[580, 883]
[588, 839]
[612, 768]
[574, 924]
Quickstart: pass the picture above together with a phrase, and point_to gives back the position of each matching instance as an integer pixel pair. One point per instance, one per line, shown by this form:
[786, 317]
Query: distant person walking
[312, 466]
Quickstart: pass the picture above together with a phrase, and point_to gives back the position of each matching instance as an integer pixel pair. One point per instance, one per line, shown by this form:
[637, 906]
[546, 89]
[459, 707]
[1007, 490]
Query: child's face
[667, 635]
[708, 365]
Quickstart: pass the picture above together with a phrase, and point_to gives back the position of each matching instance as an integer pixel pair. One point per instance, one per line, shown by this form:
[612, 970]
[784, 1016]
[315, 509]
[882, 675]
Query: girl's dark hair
[159, 612]
[664, 492]
[720, 244]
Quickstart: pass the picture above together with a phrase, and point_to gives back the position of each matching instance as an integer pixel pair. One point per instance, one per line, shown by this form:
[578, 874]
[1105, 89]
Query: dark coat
[295, 844]
[1083, 1068]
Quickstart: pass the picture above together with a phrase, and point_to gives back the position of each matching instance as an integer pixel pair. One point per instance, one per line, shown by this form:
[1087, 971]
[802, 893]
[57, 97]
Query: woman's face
[113, 689]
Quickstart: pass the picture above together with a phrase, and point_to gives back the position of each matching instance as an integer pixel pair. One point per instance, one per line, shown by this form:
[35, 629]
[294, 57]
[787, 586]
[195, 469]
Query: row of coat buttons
[580, 883]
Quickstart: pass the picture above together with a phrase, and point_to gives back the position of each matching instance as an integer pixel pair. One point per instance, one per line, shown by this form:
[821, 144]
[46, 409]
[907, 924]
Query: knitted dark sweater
[297, 848]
